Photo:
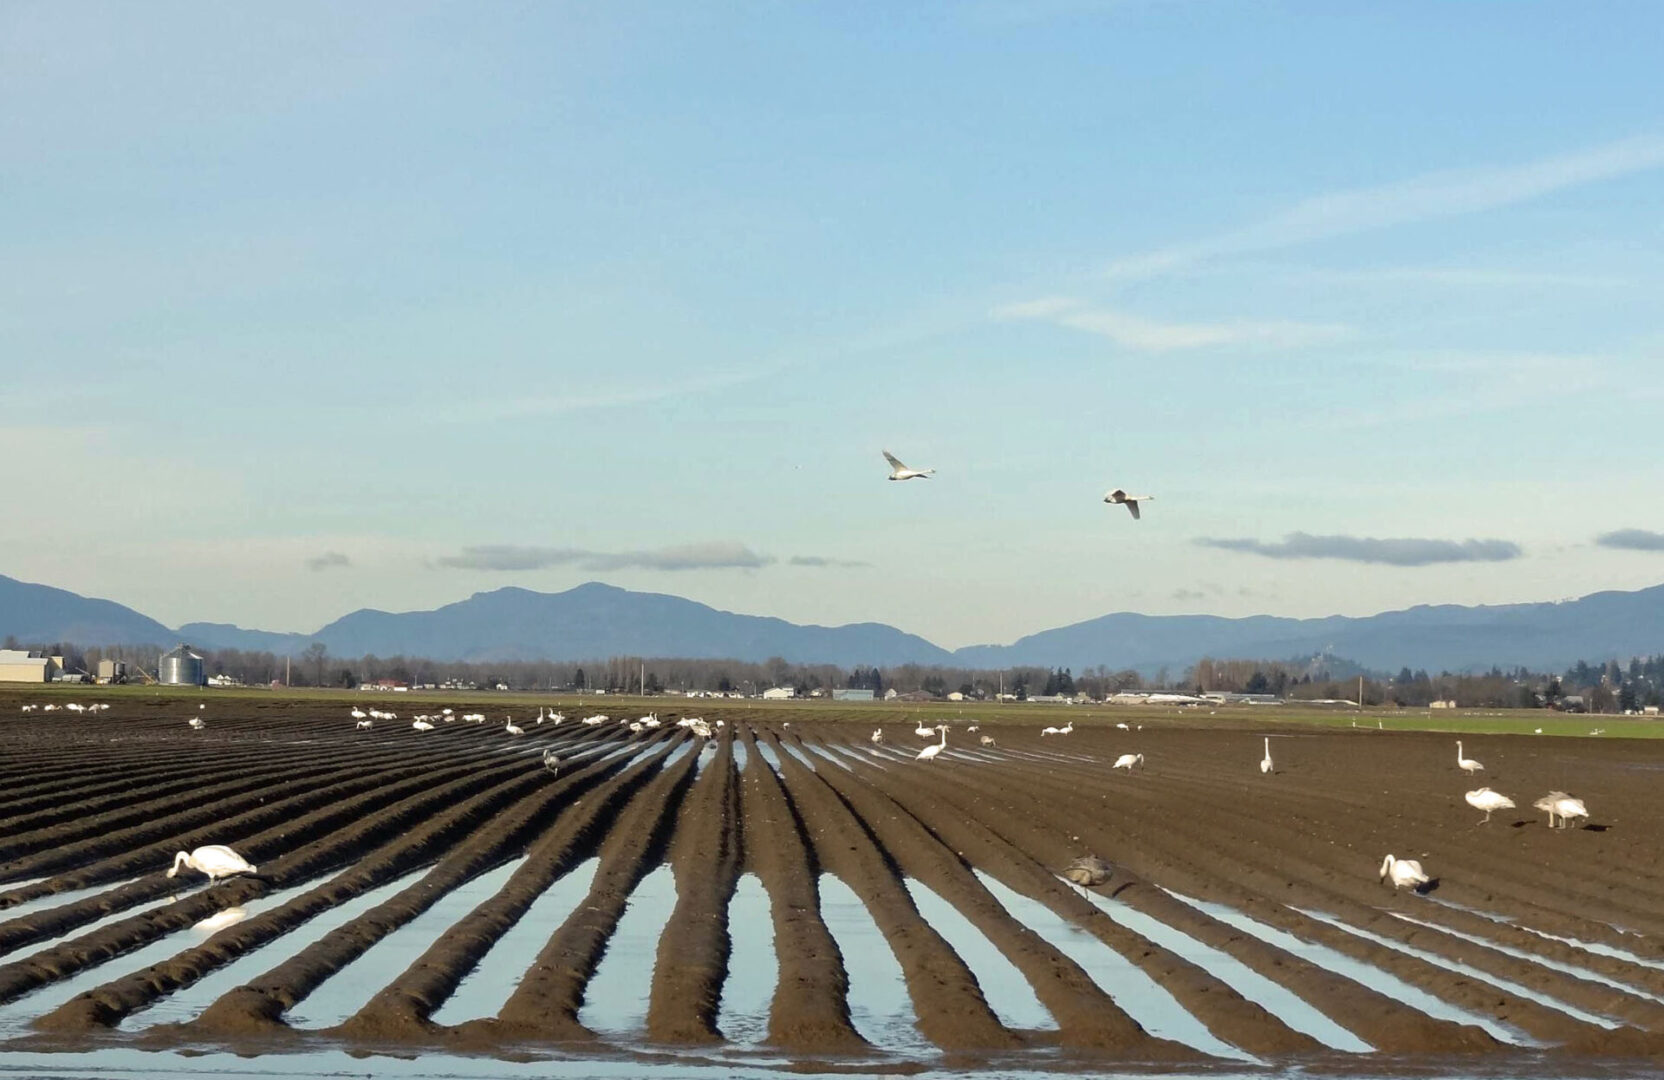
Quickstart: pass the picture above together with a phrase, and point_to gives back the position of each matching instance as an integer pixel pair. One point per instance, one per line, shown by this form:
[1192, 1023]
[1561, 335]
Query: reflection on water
[189, 1001]
[616, 996]
[1338, 962]
[485, 989]
[351, 988]
[1274, 998]
[878, 1003]
[753, 969]
[1138, 995]
[1007, 992]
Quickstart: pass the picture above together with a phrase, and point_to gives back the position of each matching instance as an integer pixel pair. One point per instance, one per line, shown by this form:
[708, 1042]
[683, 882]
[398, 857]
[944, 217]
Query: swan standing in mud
[929, 753]
[1489, 801]
[1466, 764]
[363, 725]
[877, 736]
[1559, 804]
[511, 727]
[215, 860]
[197, 723]
[1403, 872]
[986, 740]
[422, 725]
[551, 761]
[1127, 761]
[1265, 762]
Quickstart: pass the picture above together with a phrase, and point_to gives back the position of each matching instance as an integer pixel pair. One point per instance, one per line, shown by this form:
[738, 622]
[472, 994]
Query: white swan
[1466, 764]
[422, 725]
[1129, 501]
[1403, 872]
[363, 725]
[551, 761]
[197, 723]
[898, 471]
[598, 718]
[986, 740]
[215, 860]
[1067, 729]
[1127, 761]
[357, 713]
[929, 753]
[877, 736]
[511, 727]
[1265, 762]
[1051, 731]
[924, 732]
[1559, 804]
[1489, 801]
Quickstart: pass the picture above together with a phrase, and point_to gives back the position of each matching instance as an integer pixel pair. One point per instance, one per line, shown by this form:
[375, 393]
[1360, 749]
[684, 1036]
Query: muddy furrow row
[544, 1007]
[810, 1009]
[258, 1006]
[692, 958]
[1086, 1016]
[341, 829]
[948, 800]
[950, 1008]
[401, 1010]
[1264, 893]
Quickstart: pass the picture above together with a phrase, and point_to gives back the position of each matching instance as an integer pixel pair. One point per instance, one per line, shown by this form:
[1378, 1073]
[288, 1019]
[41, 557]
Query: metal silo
[181, 667]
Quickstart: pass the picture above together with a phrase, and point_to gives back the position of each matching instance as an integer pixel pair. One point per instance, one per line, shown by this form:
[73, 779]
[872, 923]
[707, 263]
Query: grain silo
[181, 667]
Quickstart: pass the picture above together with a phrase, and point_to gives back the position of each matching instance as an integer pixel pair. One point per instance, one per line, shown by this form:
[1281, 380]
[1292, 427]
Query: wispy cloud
[717, 555]
[327, 561]
[1149, 335]
[1441, 194]
[824, 561]
[1632, 540]
[1393, 551]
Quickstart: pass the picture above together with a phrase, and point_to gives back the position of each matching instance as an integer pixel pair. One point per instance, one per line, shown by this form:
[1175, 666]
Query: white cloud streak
[1434, 195]
[1148, 335]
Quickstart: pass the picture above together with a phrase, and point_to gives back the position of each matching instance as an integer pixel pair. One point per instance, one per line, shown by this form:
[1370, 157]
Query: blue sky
[321, 307]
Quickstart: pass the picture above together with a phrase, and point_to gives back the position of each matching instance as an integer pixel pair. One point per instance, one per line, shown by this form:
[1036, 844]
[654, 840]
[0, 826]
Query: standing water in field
[879, 1005]
[753, 969]
[616, 996]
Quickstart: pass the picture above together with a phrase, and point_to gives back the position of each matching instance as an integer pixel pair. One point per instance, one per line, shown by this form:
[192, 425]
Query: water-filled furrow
[1543, 961]
[1472, 972]
[753, 969]
[1145, 1000]
[1374, 978]
[1008, 992]
[798, 753]
[616, 996]
[349, 989]
[879, 1005]
[1275, 999]
[184, 1005]
[483, 991]
[55, 900]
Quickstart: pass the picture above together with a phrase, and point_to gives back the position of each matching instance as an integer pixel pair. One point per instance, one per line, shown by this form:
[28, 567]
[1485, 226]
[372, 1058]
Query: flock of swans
[1118, 497]
[431, 721]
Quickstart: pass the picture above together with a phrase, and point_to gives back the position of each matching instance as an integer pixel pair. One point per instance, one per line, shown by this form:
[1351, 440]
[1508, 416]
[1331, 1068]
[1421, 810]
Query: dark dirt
[316, 804]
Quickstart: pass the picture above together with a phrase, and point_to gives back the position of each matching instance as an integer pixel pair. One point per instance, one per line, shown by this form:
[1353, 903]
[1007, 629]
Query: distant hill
[595, 620]
[40, 613]
[1544, 637]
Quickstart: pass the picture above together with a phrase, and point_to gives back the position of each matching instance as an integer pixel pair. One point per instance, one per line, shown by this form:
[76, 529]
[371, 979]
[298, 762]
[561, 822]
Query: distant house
[956, 696]
[779, 693]
[1447, 704]
[851, 695]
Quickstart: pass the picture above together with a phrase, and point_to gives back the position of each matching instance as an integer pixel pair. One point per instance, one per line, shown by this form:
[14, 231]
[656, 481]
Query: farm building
[852, 695]
[17, 665]
[181, 667]
[778, 693]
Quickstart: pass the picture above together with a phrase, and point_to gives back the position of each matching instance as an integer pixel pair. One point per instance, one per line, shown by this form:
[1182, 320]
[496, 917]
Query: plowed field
[400, 875]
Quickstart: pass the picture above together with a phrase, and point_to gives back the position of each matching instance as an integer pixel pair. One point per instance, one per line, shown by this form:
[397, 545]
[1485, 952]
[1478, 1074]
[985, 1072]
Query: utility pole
[286, 662]
[1360, 691]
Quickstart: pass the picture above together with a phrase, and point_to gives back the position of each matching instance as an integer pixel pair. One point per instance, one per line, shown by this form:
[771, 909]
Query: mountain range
[594, 621]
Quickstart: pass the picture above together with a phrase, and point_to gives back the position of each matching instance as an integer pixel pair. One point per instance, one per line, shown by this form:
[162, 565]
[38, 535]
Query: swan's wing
[891, 458]
[1116, 496]
[1132, 504]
